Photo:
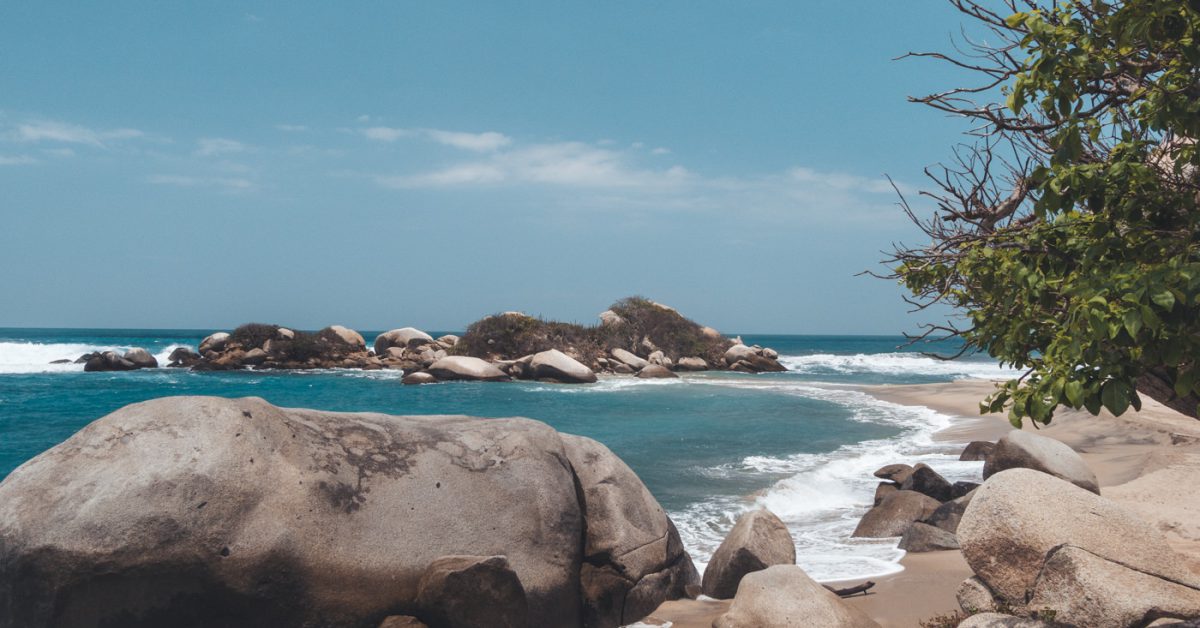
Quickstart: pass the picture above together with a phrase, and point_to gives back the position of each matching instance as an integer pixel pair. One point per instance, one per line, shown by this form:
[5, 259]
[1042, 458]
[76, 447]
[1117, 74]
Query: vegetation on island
[1066, 229]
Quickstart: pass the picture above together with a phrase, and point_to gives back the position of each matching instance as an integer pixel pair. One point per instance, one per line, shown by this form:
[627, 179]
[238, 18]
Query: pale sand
[1148, 461]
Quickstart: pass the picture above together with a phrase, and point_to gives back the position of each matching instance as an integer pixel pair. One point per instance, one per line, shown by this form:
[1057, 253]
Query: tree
[1066, 229]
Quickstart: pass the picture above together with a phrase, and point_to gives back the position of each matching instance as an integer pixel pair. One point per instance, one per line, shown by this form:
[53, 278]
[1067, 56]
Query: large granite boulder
[926, 481]
[633, 558]
[214, 342]
[107, 361]
[461, 367]
[998, 620]
[948, 515]
[196, 511]
[977, 450]
[182, 356]
[560, 367]
[894, 514]
[1024, 450]
[472, 592]
[655, 371]
[922, 537]
[758, 540]
[1018, 516]
[897, 473]
[1087, 590]
[141, 358]
[347, 336]
[691, 364]
[628, 358]
[784, 596]
[974, 596]
[738, 352]
[403, 338]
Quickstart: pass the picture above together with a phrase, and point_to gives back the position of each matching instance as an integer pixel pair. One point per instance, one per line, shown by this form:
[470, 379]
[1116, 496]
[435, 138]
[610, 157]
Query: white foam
[34, 357]
[824, 495]
[893, 364]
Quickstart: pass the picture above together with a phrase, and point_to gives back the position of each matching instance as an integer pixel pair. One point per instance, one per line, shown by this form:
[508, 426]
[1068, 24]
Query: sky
[385, 164]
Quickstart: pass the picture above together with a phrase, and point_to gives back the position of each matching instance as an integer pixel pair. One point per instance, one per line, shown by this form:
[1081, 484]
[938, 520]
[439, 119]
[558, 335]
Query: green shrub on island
[253, 335]
[513, 335]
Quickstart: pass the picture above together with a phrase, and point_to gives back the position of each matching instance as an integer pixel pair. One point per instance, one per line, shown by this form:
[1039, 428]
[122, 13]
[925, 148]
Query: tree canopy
[1066, 226]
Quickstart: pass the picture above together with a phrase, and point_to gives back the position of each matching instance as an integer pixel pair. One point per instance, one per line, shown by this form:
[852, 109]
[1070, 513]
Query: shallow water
[709, 446]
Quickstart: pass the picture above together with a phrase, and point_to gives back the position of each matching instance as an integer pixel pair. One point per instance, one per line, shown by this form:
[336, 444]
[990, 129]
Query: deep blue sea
[709, 446]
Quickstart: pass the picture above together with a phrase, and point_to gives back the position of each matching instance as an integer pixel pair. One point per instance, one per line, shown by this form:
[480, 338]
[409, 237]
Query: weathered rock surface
[974, 596]
[894, 514]
[691, 364]
[1022, 450]
[738, 352]
[560, 367]
[926, 481]
[402, 621]
[403, 338]
[107, 361]
[472, 592]
[882, 490]
[977, 450]
[1019, 515]
[962, 488]
[997, 620]
[182, 356]
[214, 342]
[922, 537]
[461, 367]
[784, 596]
[200, 511]
[629, 359]
[419, 377]
[655, 371]
[1088, 590]
[633, 559]
[141, 358]
[948, 515]
[758, 540]
[897, 473]
[348, 336]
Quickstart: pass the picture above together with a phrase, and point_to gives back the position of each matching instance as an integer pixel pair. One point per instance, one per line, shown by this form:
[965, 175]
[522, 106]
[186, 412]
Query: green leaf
[1074, 393]
[1092, 403]
[1133, 322]
[1115, 397]
[1164, 299]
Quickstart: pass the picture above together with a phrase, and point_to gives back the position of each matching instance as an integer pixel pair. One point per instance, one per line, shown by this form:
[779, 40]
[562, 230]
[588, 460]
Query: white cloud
[478, 142]
[291, 128]
[210, 146]
[17, 160]
[661, 151]
[62, 132]
[384, 133]
[230, 184]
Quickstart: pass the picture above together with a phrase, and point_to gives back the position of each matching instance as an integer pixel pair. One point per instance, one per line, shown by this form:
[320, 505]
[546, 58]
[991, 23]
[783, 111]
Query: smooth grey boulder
[962, 487]
[182, 356]
[1023, 450]
[629, 359]
[472, 592]
[948, 515]
[974, 596]
[141, 358]
[419, 377]
[894, 514]
[897, 473]
[202, 511]
[214, 342]
[922, 537]
[654, 371]
[737, 353]
[997, 620]
[461, 367]
[403, 338]
[107, 361]
[977, 450]
[633, 558]
[926, 481]
[1088, 590]
[560, 367]
[783, 596]
[758, 540]
[1019, 515]
[691, 364]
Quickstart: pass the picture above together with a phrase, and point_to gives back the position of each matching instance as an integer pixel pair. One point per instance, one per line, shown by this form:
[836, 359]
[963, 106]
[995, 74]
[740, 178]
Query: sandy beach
[1148, 461]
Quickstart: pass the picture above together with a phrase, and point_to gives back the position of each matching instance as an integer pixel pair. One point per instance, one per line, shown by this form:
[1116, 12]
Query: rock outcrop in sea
[199, 511]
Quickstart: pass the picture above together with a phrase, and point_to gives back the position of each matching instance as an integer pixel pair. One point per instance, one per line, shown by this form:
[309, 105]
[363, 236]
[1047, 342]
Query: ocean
[709, 445]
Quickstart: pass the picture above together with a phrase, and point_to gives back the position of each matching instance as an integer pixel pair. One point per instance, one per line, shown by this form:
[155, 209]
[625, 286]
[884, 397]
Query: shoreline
[1146, 461]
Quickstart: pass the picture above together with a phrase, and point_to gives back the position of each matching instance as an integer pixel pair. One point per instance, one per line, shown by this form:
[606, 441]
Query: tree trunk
[1155, 385]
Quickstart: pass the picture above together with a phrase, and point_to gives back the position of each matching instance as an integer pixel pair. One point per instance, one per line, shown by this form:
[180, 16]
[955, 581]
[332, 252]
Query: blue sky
[381, 164]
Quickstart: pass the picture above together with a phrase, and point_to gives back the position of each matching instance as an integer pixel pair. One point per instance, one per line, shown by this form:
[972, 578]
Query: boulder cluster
[1046, 548]
[131, 360]
[201, 511]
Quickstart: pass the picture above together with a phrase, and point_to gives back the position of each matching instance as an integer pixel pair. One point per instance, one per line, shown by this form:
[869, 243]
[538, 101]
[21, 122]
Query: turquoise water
[707, 445]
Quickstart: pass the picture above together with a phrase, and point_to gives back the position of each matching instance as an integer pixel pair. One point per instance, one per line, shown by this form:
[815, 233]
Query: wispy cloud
[478, 142]
[291, 128]
[229, 184]
[17, 160]
[210, 146]
[62, 132]
[385, 133]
